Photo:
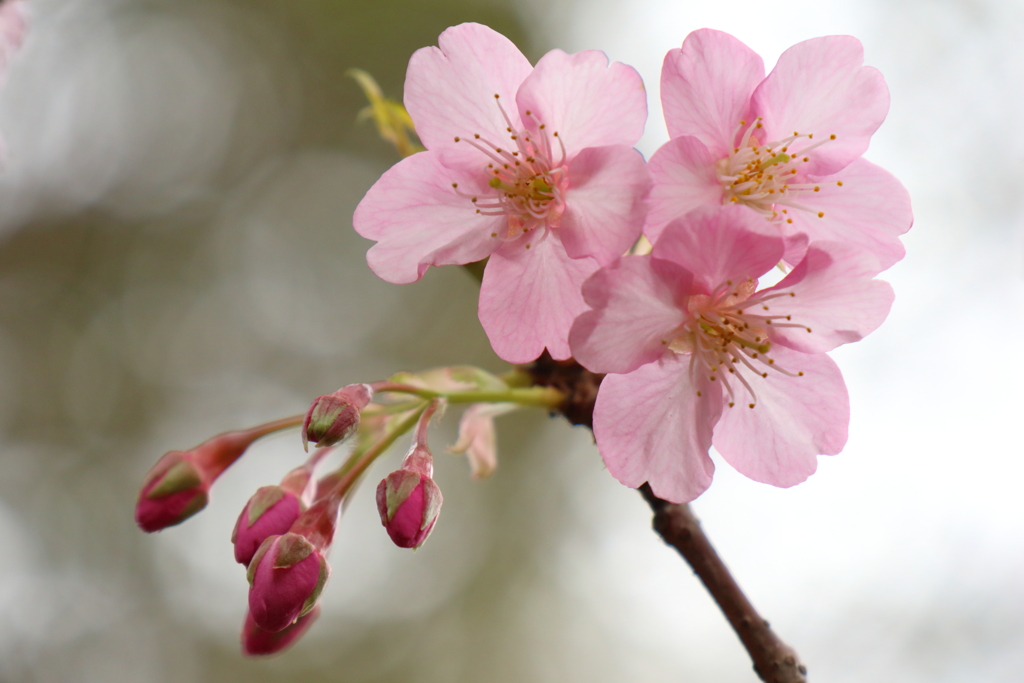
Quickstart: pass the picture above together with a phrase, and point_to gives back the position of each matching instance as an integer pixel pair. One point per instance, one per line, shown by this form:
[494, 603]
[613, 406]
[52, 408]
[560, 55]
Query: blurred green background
[177, 259]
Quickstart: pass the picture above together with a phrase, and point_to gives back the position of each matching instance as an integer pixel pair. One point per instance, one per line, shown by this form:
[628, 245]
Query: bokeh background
[177, 259]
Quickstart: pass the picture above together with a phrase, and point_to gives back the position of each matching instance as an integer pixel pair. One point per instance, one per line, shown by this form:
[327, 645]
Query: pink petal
[706, 88]
[638, 302]
[796, 245]
[871, 210]
[586, 100]
[720, 243]
[449, 90]
[478, 439]
[684, 176]
[820, 87]
[834, 296]
[530, 296]
[419, 221]
[795, 419]
[12, 30]
[651, 426]
[606, 203]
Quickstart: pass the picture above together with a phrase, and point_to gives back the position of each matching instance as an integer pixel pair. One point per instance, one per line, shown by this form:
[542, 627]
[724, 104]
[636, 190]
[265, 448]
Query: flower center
[766, 177]
[727, 336]
[528, 184]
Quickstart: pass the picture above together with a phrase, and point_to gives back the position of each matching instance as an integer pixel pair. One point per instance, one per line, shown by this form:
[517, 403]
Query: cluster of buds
[288, 571]
[284, 532]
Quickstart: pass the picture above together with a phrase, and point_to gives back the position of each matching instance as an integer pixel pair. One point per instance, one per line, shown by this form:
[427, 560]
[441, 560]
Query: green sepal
[197, 503]
[291, 549]
[322, 420]
[325, 571]
[250, 572]
[433, 508]
[396, 494]
[181, 476]
[264, 499]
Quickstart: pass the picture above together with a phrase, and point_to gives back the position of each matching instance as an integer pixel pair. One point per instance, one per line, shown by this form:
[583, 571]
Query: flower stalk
[533, 396]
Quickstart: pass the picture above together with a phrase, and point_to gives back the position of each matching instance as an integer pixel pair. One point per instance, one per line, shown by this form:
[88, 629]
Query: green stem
[390, 408]
[544, 397]
[360, 463]
[517, 378]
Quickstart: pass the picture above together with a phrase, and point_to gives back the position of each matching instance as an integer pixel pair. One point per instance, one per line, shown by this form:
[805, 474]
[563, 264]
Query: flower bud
[178, 485]
[174, 490]
[257, 641]
[408, 502]
[333, 418]
[286, 576]
[270, 512]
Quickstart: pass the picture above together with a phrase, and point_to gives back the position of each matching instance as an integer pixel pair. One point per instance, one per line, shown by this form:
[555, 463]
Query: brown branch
[774, 661]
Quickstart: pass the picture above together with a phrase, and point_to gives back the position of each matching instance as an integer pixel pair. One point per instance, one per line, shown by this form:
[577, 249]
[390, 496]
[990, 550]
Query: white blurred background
[177, 259]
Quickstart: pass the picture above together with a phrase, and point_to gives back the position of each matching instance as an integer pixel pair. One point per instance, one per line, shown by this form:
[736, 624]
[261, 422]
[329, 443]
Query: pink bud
[178, 485]
[270, 512]
[257, 641]
[174, 490]
[409, 503]
[286, 576]
[333, 418]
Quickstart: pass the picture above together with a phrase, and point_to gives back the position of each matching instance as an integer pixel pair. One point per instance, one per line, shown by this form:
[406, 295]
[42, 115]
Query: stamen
[745, 177]
[528, 185]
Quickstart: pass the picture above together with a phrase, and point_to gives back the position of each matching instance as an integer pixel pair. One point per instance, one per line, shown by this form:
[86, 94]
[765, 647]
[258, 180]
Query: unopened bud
[257, 641]
[178, 485]
[174, 490]
[286, 576]
[270, 512]
[409, 502]
[333, 418]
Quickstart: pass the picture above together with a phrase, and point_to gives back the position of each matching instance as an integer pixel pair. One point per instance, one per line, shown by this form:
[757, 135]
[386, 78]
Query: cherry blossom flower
[788, 147]
[532, 167]
[698, 356]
